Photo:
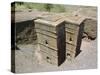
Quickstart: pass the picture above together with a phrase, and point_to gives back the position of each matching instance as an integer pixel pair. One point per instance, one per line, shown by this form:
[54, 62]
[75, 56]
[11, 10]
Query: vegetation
[48, 7]
[39, 7]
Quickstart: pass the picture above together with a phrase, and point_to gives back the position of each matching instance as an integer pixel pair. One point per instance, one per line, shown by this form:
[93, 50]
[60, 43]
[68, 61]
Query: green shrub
[58, 8]
[48, 7]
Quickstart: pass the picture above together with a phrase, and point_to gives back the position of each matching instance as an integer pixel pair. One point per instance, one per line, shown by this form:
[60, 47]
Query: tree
[48, 7]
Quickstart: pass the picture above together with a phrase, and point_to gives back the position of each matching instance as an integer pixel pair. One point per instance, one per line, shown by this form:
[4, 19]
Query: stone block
[51, 34]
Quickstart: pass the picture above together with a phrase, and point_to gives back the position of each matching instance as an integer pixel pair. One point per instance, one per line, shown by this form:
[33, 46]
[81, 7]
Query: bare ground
[27, 60]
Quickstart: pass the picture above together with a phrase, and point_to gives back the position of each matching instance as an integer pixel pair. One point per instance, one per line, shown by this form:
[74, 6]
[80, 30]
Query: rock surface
[28, 60]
